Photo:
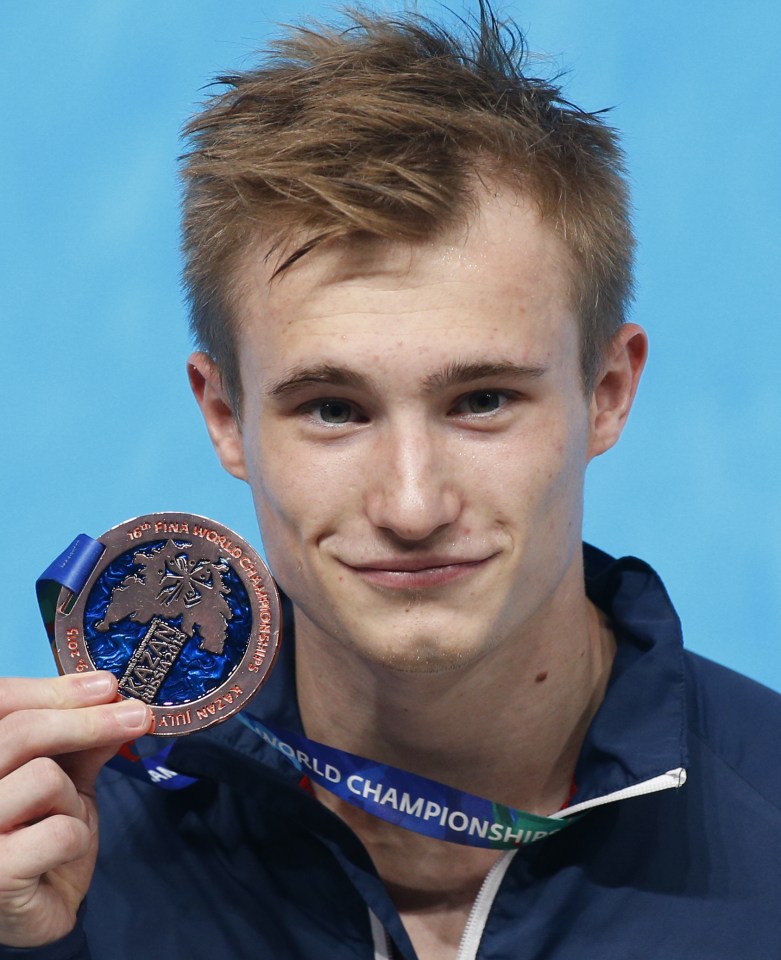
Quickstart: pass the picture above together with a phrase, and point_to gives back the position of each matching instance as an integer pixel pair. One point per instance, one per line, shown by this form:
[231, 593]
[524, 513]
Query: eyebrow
[325, 373]
[454, 374]
[461, 372]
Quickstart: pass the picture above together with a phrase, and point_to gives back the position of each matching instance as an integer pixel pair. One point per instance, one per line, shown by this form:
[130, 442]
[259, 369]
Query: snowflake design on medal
[172, 583]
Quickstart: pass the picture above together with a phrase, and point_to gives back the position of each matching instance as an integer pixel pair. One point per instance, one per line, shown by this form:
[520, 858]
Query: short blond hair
[379, 127]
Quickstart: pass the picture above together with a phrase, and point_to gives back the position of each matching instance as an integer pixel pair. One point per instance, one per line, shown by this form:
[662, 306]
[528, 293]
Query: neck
[508, 727]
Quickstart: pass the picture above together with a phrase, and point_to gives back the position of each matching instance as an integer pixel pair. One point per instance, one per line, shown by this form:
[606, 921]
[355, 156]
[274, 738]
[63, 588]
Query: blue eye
[333, 411]
[484, 402]
[481, 402]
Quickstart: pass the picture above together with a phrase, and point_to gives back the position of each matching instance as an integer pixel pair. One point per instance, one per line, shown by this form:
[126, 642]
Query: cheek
[274, 484]
[299, 495]
[549, 453]
[280, 523]
[279, 492]
[546, 472]
[563, 506]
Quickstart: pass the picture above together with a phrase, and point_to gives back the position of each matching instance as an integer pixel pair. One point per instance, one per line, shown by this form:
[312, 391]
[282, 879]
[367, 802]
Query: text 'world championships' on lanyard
[411, 801]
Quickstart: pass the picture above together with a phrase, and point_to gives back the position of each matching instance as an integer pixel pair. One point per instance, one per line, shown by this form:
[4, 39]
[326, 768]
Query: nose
[412, 492]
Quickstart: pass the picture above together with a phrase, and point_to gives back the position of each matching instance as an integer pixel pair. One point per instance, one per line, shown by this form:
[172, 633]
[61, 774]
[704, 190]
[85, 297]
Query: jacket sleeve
[71, 947]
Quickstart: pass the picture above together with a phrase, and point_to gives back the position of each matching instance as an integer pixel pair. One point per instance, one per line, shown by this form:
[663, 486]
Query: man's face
[415, 434]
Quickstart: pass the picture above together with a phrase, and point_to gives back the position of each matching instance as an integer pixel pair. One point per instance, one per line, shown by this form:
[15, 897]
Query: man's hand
[55, 735]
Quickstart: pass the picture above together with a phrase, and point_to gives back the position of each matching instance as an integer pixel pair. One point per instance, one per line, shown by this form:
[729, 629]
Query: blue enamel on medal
[182, 611]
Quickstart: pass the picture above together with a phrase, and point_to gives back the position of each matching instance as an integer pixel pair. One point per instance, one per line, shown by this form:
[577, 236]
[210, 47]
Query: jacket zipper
[473, 931]
[383, 948]
[475, 924]
[478, 915]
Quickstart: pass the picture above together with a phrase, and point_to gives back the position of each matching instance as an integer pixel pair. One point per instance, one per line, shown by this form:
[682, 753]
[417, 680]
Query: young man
[408, 266]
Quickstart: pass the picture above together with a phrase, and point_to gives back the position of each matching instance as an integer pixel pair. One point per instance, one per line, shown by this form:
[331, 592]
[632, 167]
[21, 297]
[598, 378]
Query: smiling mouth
[408, 574]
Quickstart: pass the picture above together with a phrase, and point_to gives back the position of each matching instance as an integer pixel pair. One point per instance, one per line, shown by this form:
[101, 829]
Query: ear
[616, 386]
[223, 427]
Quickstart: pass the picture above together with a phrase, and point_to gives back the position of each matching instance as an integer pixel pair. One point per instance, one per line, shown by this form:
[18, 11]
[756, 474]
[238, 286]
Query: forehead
[503, 278]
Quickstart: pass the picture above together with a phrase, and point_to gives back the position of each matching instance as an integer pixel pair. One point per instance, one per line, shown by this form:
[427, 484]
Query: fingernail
[96, 684]
[132, 714]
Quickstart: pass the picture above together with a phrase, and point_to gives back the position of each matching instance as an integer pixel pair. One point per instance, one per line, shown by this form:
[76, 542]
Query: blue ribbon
[407, 799]
[71, 570]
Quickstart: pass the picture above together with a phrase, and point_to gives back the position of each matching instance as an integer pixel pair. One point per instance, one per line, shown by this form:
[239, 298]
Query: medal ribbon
[397, 796]
[70, 570]
[406, 799]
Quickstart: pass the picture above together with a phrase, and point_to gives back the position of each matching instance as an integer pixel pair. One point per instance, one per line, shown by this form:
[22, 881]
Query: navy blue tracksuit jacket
[677, 856]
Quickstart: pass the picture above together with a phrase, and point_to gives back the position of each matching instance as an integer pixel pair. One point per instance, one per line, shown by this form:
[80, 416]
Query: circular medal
[182, 611]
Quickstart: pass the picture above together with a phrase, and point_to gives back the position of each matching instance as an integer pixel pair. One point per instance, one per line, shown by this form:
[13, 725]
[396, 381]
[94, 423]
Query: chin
[419, 657]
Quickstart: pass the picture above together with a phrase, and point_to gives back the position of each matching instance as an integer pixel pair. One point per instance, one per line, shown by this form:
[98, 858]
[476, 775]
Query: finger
[83, 767]
[38, 789]
[57, 693]
[31, 851]
[45, 733]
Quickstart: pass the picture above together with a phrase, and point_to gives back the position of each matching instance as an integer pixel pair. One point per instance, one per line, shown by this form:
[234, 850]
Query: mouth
[418, 573]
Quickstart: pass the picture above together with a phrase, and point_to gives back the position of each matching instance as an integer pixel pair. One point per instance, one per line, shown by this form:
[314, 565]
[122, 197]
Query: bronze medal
[182, 611]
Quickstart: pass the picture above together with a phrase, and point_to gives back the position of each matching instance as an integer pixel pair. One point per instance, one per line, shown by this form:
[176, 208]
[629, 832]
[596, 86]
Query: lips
[419, 572]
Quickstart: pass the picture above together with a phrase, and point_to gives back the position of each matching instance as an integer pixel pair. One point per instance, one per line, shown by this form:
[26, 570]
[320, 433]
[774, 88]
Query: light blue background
[98, 425]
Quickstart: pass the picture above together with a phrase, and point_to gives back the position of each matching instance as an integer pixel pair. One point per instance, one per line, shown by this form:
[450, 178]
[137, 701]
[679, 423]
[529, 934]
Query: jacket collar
[639, 732]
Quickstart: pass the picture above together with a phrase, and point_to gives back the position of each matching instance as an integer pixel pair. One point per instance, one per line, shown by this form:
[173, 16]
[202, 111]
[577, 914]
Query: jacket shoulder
[737, 720]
